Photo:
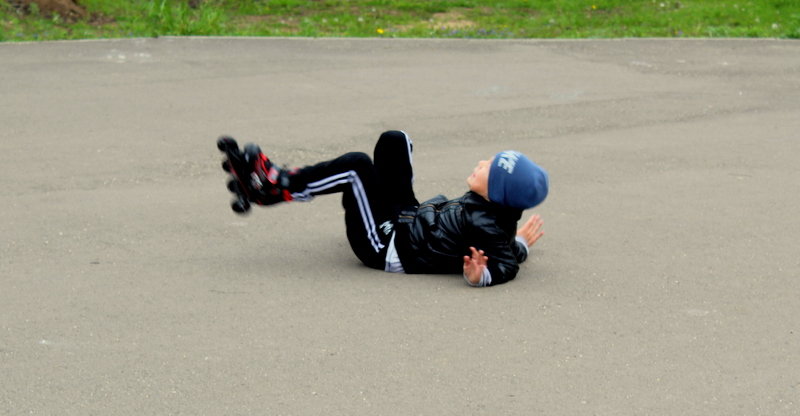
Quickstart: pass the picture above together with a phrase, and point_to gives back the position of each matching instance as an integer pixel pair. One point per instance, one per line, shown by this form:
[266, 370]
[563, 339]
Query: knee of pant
[393, 136]
[392, 144]
[358, 159]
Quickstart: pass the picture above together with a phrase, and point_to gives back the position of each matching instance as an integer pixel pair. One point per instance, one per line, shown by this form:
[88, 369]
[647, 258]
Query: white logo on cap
[508, 160]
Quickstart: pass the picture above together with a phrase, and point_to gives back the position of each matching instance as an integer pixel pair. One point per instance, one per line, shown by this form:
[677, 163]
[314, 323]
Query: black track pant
[373, 192]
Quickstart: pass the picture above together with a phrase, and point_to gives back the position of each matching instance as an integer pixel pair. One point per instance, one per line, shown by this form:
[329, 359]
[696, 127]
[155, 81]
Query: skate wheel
[226, 166]
[233, 186]
[226, 142]
[240, 206]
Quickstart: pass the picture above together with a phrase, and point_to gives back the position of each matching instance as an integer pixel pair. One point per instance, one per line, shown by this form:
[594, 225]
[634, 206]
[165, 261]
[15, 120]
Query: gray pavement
[666, 284]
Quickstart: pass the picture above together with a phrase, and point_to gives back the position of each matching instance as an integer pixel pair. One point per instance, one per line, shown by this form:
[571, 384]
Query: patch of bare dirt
[68, 10]
[451, 20]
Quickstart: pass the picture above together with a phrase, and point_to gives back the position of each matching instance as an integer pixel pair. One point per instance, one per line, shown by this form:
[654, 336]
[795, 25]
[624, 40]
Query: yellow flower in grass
[380, 31]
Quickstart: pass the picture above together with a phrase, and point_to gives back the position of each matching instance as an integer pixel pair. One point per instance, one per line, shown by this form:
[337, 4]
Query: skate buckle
[255, 181]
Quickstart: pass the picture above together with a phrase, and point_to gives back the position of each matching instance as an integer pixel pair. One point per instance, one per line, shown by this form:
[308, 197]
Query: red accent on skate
[272, 176]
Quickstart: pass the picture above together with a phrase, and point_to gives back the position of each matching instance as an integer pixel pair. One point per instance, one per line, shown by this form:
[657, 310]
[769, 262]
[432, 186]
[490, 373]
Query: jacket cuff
[486, 279]
[524, 243]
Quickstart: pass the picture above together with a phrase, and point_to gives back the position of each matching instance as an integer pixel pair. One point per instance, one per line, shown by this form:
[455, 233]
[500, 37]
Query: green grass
[413, 18]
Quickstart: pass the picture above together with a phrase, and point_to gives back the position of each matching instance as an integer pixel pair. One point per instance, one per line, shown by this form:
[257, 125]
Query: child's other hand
[474, 265]
[531, 231]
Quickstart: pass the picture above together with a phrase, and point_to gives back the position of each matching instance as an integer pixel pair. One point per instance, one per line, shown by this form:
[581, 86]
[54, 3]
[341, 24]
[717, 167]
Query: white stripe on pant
[358, 192]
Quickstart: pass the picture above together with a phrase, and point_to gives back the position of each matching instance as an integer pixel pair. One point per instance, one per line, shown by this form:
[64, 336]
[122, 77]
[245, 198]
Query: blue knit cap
[516, 182]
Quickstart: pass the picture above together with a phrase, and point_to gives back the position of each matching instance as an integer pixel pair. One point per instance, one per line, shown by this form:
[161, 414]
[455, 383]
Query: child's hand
[531, 231]
[473, 266]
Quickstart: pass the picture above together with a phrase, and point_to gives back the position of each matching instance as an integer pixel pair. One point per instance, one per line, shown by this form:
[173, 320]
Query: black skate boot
[255, 179]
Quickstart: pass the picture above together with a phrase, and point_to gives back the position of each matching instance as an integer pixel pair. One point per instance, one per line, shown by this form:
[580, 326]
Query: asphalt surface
[666, 284]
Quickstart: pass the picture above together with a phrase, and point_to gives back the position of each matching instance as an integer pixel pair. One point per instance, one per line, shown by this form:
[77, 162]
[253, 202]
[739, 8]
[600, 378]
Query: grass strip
[506, 19]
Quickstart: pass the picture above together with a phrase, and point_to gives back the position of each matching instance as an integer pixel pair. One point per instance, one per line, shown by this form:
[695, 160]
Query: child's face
[479, 180]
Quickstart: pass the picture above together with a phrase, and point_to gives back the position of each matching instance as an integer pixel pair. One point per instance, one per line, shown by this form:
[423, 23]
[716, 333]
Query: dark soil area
[68, 9]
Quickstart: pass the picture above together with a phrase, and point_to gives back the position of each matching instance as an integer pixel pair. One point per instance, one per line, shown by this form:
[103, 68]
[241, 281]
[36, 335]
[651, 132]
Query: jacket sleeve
[521, 250]
[502, 250]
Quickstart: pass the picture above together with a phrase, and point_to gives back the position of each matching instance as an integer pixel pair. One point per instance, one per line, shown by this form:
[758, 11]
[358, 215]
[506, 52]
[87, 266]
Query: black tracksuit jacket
[435, 236]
